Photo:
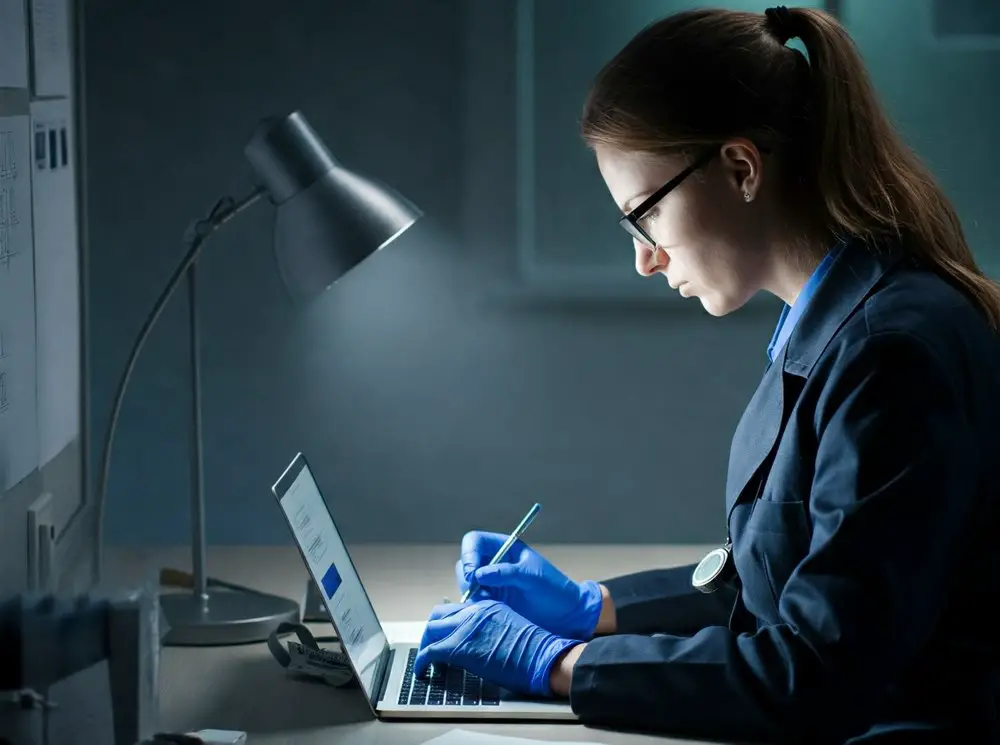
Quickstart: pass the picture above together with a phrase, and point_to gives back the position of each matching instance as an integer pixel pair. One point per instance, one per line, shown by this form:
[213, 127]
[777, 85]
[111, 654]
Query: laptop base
[510, 706]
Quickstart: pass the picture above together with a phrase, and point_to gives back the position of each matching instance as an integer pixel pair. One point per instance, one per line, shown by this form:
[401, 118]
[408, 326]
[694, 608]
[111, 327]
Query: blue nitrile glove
[490, 640]
[527, 582]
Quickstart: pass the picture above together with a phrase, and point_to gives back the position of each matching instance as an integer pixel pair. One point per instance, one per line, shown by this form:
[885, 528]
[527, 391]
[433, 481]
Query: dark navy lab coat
[862, 498]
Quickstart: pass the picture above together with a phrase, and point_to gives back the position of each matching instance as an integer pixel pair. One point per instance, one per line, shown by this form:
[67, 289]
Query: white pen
[511, 540]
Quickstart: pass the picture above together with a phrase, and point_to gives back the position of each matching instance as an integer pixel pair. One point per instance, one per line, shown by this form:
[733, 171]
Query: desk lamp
[328, 220]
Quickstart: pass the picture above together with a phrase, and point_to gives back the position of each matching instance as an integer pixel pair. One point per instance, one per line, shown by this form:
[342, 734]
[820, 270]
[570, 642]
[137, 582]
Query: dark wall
[427, 400]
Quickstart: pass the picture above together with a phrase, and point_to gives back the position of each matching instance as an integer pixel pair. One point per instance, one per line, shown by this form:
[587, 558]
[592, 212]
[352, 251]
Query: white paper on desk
[465, 737]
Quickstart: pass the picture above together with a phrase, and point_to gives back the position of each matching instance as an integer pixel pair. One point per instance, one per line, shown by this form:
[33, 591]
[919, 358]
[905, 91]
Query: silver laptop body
[384, 670]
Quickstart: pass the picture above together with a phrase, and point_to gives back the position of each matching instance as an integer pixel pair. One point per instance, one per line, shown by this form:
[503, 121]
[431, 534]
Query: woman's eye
[650, 217]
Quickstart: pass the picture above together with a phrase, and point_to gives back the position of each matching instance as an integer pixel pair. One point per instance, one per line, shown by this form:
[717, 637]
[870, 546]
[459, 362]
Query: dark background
[433, 390]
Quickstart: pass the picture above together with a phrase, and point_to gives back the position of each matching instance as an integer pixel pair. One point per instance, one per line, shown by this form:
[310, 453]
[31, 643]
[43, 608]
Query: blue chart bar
[331, 581]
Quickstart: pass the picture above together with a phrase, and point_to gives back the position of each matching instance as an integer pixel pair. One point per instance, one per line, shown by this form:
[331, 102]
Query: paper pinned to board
[50, 21]
[57, 276]
[18, 395]
[466, 737]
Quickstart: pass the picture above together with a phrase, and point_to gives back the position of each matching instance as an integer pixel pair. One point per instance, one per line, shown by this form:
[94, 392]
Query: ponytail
[699, 77]
[871, 184]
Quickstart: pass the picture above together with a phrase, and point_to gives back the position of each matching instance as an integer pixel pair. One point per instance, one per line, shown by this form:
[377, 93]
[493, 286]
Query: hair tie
[781, 22]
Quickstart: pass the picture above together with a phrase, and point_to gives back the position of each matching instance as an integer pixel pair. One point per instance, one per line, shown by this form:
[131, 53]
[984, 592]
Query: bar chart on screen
[331, 581]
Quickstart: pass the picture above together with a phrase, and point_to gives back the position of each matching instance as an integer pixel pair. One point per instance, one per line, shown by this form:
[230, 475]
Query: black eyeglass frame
[630, 220]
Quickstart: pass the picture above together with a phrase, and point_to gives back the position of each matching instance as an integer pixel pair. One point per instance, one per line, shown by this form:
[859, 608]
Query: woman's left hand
[490, 640]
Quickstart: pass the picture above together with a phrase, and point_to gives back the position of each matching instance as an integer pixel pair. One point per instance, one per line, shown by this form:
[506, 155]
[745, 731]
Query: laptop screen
[331, 567]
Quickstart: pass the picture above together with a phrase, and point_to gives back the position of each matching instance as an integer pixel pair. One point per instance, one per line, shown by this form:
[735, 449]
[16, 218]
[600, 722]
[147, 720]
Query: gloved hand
[490, 640]
[530, 585]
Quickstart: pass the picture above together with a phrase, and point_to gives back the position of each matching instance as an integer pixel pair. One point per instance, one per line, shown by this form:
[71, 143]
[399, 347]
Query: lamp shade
[329, 219]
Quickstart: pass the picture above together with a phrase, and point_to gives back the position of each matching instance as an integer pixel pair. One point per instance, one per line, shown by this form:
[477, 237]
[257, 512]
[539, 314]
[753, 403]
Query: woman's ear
[743, 164]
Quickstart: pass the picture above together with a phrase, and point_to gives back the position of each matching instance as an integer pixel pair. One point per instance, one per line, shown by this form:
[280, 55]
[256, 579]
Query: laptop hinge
[385, 668]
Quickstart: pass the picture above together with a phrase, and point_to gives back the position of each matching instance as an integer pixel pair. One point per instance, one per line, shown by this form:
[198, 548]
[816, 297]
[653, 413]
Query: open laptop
[385, 671]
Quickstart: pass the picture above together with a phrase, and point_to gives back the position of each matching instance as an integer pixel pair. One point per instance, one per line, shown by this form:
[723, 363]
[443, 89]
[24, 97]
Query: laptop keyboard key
[443, 685]
[454, 683]
[470, 694]
[490, 695]
[435, 695]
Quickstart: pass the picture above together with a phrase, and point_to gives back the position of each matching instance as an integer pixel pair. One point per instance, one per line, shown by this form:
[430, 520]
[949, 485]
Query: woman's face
[710, 241]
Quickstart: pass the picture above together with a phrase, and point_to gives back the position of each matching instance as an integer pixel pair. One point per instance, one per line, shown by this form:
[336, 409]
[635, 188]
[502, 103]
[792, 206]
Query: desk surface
[243, 687]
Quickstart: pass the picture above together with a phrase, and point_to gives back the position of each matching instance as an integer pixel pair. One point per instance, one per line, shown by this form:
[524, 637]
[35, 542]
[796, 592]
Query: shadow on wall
[425, 405]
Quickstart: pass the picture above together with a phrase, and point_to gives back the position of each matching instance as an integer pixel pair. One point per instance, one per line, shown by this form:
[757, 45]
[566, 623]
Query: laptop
[385, 671]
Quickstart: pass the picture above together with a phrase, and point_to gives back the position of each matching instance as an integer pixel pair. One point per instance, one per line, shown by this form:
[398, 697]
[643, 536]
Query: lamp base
[224, 617]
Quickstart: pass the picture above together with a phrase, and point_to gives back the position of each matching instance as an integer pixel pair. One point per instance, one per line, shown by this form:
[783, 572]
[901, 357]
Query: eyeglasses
[630, 220]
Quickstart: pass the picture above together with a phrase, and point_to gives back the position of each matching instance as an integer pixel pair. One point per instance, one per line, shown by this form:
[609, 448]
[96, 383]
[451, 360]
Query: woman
[862, 488]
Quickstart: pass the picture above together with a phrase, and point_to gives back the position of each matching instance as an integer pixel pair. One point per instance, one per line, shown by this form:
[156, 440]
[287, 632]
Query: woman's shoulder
[919, 301]
[913, 302]
[915, 310]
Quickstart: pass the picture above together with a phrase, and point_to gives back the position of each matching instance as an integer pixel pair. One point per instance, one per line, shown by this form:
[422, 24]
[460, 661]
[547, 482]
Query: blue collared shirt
[790, 314]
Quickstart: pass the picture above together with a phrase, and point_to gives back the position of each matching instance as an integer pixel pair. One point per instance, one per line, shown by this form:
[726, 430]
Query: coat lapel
[757, 433]
[851, 278]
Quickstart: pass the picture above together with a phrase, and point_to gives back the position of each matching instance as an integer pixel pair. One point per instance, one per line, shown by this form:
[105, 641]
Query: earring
[746, 196]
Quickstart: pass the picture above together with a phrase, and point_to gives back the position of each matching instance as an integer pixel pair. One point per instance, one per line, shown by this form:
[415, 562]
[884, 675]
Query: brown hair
[697, 78]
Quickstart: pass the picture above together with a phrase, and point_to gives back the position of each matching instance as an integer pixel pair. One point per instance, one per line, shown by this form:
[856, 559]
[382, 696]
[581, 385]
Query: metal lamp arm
[224, 211]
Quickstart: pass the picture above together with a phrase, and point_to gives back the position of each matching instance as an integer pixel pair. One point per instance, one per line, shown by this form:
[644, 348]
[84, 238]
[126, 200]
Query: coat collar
[853, 274]
[856, 270]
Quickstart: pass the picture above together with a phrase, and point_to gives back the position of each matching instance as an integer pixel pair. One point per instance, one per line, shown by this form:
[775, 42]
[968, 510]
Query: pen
[511, 540]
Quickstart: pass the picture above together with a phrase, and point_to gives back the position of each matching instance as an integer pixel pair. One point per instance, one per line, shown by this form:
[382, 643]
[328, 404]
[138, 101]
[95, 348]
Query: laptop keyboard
[447, 686]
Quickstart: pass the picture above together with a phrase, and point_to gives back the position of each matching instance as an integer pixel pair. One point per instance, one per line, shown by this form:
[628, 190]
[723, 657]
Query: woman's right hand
[530, 585]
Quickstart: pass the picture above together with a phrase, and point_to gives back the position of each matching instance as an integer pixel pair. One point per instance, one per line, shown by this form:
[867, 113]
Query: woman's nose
[649, 261]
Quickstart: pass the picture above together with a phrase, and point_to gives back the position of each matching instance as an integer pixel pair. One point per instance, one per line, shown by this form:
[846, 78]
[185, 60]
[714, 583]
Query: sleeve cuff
[541, 681]
[585, 673]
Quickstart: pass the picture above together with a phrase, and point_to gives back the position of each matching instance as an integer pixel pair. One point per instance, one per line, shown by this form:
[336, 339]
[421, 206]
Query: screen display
[360, 632]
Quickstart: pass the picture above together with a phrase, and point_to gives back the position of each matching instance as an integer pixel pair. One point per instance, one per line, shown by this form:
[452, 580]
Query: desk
[243, 687]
